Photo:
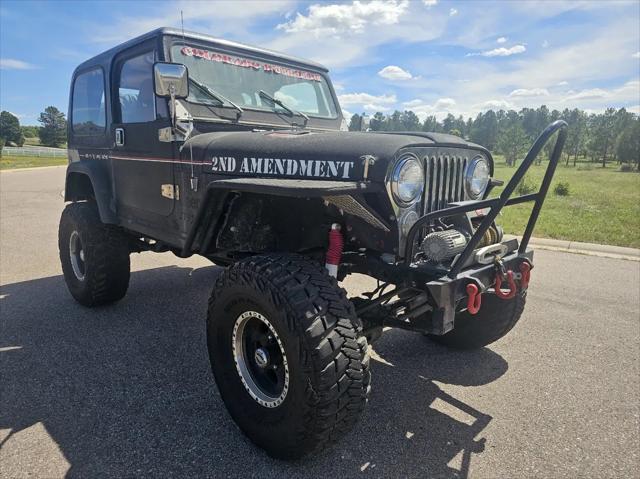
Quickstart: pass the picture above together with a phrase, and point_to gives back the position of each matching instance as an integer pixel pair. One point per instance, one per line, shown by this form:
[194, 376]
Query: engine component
[442, 245]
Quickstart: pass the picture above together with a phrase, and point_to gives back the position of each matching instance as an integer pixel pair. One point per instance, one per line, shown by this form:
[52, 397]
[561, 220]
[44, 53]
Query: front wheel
[287, 354]
[494, 320]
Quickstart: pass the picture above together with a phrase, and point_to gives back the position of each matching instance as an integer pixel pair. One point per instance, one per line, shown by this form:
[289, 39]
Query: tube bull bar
[495, 205]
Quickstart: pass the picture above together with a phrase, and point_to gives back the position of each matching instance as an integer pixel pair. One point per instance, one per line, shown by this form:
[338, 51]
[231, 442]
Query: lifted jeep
[185, 143]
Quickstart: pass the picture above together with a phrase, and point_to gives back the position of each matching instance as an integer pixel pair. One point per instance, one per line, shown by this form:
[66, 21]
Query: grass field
[603, 205]
[12, 162]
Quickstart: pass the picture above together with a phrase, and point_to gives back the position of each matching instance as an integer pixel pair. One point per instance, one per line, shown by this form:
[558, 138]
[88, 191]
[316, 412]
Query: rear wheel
[494, 320]
[94, 256]
[287, 354]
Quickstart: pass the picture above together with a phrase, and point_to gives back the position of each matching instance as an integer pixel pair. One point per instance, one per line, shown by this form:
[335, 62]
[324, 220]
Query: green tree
[354, 123]
[448, 123]
[29, 131]
[431, 124]
[410, 121]
[54, 127]
[377, 122]
[512, 143]
[10, 129]
[628, 143]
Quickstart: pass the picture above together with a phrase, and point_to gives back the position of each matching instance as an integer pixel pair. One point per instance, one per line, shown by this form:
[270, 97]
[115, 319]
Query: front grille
[444, 181]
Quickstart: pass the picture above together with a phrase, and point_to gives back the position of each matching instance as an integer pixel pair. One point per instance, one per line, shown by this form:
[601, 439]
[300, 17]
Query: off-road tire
[494, 320]
[106, 256]
[327, 355]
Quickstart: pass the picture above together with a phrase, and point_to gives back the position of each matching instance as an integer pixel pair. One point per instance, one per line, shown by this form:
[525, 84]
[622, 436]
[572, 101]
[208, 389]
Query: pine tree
[54, 127]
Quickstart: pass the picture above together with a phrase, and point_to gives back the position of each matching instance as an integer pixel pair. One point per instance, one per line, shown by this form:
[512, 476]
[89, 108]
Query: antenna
[182, 24]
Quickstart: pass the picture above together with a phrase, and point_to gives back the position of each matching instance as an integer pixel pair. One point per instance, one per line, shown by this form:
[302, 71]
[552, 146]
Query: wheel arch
[85, 181]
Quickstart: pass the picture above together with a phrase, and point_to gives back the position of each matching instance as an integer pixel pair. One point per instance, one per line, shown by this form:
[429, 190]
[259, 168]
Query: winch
[443, 245]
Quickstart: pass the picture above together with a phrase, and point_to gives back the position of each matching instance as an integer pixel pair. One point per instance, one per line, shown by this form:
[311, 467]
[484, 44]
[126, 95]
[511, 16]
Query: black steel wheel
[260, 359]
[287, 353]
[94, 256]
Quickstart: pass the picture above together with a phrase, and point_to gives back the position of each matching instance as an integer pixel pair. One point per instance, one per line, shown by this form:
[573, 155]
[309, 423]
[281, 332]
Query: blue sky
[430, 56]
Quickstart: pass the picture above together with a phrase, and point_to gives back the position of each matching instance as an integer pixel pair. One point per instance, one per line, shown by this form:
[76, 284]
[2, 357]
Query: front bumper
[450, 295]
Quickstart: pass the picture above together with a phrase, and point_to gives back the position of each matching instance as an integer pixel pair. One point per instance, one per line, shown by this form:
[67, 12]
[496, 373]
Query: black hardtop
[106, 56]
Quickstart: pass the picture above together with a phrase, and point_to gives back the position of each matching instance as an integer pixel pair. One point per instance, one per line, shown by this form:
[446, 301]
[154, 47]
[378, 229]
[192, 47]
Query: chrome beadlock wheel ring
[260, 359]
[76, 254]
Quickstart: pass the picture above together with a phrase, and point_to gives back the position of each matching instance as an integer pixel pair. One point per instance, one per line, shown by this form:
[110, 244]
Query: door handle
[119, 136]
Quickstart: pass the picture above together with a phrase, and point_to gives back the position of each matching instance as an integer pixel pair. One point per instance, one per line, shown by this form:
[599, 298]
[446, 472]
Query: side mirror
[171, 80]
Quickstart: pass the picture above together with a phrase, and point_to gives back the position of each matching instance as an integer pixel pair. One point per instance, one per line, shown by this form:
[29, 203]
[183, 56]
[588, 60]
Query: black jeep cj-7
[185, 143]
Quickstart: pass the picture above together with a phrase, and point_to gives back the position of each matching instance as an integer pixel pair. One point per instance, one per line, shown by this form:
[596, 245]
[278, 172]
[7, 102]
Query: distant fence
[42, 151]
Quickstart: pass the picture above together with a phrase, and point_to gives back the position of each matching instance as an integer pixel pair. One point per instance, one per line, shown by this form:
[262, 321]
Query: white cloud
[453, 12]
[366, 99]
[373, 107]
[589, 94]
[501, 52]
[545, 44]
[341, 43]
[440, 108]
[562, 83]
[412, 103]
[501, 40]
[12, 64]
[337, 19]
[393, 72]
[524, 92]
[495, 105]
[636, 55]
[430, 3]
[444, 103]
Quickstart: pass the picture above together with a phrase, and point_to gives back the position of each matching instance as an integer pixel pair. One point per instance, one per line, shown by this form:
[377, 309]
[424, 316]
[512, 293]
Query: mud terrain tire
[94, 256]
[320, 338]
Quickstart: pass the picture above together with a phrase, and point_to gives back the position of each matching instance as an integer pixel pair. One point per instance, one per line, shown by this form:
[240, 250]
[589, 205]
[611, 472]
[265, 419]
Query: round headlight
[407, 180]
[476, 178]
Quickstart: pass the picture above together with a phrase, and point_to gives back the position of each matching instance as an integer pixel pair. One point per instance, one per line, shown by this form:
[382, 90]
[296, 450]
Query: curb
[14, 170]
[590, 249]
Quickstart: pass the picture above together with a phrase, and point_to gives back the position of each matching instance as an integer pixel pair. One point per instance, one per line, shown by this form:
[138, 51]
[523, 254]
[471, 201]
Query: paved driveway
[126, 390]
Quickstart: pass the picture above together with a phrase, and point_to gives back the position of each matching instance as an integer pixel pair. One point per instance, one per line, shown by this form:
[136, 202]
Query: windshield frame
[252, 115]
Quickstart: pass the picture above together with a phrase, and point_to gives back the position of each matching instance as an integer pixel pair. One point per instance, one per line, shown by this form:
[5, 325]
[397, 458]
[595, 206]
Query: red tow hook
[525, 271]
[475, 298]
[512, 286]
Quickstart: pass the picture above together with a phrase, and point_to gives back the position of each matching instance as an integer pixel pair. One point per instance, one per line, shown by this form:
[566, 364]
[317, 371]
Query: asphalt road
[126, 390]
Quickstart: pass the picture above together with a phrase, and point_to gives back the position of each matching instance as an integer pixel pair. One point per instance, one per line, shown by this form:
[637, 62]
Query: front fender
[91, 178]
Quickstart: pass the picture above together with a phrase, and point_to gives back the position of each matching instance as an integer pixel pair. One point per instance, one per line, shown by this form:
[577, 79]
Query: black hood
[335, 155]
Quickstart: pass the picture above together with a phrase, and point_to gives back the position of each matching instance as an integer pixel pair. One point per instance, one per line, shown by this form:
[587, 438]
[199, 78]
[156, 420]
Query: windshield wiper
[216, 96]
[275, 101]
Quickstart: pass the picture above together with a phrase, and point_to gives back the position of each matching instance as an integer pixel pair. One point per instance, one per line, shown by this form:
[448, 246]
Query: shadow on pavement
[126, 390]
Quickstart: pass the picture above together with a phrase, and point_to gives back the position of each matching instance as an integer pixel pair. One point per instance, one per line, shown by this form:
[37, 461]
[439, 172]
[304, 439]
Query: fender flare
[99, 177]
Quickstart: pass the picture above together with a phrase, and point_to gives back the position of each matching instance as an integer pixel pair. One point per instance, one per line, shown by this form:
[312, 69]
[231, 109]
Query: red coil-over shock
[334, 251]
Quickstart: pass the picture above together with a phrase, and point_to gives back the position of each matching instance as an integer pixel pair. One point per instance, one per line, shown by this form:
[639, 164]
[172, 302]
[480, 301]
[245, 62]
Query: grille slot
[444, 181]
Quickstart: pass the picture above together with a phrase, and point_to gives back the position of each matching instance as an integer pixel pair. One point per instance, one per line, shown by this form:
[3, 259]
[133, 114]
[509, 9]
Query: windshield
[240, 79]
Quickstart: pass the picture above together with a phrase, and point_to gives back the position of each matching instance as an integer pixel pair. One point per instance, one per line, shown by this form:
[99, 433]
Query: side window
[135, 90]
[88, 109]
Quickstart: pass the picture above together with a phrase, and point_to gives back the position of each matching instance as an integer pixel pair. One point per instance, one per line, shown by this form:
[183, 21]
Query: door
[143, 166]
